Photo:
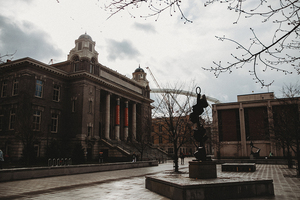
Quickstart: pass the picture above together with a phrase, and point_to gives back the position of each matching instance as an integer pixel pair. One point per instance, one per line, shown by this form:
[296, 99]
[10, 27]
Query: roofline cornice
[84, 74]
[35, 63]
[79, 74]
[120, 76]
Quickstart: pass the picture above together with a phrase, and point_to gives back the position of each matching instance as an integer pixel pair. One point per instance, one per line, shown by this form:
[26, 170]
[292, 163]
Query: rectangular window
[54, 123]
[160, 139]
[79, 45]
[170, 150]
[160, 128]
[73, 106]
[15, 90]
[170, 139]
[229, 125]
[36, 150]
[4, 89]
[90, 106]
[36, 120]
[76, 66]
[286, 120]
[1, 120]
[56, 93]
[256, 123]
[39, 88]
[91, 68]
[90, 47]
[12, 119]
[89, 131]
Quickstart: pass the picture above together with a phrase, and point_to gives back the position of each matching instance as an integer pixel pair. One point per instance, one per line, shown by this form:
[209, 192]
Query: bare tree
[25, 127]
[155, 7]
[281, 51]
[143, 134]
[281, 54]
[287, 122]
[173, 109]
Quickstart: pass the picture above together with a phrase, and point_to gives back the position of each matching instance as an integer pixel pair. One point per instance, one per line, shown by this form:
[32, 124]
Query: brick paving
[130, 184]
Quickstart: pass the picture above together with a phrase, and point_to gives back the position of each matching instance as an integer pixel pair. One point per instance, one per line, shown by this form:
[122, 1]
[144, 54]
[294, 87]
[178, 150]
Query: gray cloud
[121, 50]
[149, 28]
[27, 40]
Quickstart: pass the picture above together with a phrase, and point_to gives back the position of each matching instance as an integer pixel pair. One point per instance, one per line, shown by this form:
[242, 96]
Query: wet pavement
[130, 184]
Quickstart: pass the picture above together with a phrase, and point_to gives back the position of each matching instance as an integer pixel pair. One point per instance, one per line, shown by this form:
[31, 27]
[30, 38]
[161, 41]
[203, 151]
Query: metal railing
[59, 162]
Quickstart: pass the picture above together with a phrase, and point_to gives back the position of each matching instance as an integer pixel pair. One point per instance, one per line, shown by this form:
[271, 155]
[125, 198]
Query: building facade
[161, 137]
[253, 119]
[78, 99]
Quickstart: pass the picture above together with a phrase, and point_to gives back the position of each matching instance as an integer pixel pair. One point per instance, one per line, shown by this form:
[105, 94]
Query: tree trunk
[176, 163]
[298, 157]
[142, 152]
[289, 157]
[176, 168]
[298, 167]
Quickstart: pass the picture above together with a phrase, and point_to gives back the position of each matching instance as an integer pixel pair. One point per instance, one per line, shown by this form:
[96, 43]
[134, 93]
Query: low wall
[257, 161]
[40, 172]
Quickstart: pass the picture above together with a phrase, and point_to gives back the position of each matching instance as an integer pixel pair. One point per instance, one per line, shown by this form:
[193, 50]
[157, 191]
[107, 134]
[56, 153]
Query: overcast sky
[174, 51]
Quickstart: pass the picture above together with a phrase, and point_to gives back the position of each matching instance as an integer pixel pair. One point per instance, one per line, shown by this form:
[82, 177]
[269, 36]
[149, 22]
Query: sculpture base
[202, 170]
[180, 187]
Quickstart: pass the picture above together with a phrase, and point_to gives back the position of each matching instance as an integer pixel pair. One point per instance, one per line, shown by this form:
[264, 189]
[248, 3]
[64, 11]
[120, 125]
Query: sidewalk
[130, 184]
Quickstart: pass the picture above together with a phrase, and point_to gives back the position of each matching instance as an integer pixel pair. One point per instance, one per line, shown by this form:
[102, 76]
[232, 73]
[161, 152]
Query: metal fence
[59, 161]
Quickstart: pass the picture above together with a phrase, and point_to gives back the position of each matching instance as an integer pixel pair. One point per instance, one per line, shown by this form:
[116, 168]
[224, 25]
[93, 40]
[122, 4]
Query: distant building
[160, 137]
[253, 118]
[79, 99]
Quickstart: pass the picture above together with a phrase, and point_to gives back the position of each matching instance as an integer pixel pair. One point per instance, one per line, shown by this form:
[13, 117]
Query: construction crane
[156, 83]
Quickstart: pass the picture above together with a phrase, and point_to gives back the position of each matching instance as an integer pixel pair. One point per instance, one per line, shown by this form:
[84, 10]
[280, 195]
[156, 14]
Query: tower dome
[85, 36]
[139, 76]
[139, 69]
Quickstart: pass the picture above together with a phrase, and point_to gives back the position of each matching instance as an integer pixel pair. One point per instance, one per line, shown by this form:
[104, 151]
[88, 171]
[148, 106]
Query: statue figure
[199, 132]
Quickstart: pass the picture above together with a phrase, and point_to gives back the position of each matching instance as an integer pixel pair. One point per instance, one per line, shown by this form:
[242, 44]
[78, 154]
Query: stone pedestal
[202, 170]
[239, 167]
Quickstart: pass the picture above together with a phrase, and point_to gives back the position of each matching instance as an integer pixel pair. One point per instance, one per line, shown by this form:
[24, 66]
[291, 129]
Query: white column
[117, 122]
[107, 116]
[126, 121]
[134, 121]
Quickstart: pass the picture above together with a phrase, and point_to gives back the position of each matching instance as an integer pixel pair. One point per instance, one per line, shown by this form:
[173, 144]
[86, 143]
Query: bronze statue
[200, 132]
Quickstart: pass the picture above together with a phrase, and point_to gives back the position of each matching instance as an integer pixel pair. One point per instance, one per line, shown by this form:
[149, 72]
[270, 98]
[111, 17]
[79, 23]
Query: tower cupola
[84, 48]
[139, 75]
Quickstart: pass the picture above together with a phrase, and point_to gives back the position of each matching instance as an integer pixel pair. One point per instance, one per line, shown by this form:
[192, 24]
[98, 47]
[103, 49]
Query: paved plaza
[130, 184]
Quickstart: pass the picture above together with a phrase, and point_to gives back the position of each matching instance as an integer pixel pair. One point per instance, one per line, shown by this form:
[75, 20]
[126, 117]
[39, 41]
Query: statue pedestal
[202, 170]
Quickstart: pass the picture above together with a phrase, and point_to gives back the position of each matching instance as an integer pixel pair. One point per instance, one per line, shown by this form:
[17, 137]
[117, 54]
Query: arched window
[76, 63]
[92, 64]
[79, 45]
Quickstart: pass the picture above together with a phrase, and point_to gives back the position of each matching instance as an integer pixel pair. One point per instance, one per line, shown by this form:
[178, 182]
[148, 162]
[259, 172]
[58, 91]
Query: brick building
[160, 136]
[78, 99]
[253, 118]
